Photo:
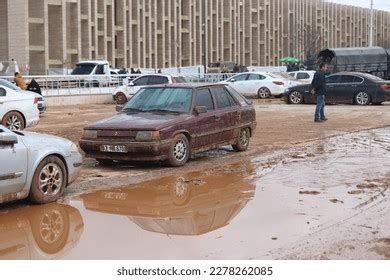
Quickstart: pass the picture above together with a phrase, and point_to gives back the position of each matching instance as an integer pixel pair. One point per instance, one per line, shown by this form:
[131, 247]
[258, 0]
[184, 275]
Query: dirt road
[302, 191]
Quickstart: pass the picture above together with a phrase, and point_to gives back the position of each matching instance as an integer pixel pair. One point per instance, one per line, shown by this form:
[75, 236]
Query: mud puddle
[328, 200]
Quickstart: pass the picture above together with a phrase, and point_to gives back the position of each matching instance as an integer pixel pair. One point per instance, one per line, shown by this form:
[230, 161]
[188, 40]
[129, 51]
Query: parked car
[42, 105]
[288, 80]
[37, 166]
[258, 84]
[346, 88]
[304, 76]
[39, 232]
[169, 123]
[123, 93]
[18, 110]
[95, 72]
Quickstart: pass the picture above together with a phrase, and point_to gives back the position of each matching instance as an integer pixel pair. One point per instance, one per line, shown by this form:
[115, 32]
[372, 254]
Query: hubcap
[295, 97]
[50, 179]
[120, 97]
[264, 93]
[13, 123]
[180, 150]
[362, 98]
[51, 227]
[244, 138]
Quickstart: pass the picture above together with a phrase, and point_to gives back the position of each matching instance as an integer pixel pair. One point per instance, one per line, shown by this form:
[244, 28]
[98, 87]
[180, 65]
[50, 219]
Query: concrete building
[43, 34]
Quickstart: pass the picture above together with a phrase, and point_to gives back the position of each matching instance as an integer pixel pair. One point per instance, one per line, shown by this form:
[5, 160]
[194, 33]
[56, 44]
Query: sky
[378, 4]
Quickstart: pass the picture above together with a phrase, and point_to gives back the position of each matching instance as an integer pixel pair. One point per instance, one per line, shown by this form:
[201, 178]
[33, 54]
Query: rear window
[223, 98]
[240, 99]
[302, 76]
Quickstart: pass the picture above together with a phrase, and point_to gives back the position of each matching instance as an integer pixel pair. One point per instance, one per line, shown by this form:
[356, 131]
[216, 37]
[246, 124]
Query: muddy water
[328, 200]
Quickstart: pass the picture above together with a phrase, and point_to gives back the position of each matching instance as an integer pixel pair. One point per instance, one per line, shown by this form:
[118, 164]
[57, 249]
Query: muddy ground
[302, 191]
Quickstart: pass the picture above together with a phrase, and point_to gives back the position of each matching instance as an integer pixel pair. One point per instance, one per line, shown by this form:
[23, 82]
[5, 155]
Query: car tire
[264, 93]
[295, 97]
[179, 152]
[14, 121]
[120, 98]
[242, 141]
[104, 161]
[49, 181]
[362, 98]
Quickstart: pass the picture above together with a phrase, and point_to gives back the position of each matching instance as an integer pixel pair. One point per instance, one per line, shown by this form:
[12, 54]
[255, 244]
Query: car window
[157, 80]
[357, 80]
[292, 75]
[241, 99]
[181, 80]
[3, 92]
[346, 79]
[332, 79]
[203, 98]
[257, 77]
[223, 98]
[142, 81]
[302, 76]
[161, 99]
[99, 70]
[241, 77]
[8, 84]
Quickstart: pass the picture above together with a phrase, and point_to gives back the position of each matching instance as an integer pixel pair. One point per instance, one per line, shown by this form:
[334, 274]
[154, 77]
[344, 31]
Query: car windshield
[83, 69]
[171, 100]
[7, 84]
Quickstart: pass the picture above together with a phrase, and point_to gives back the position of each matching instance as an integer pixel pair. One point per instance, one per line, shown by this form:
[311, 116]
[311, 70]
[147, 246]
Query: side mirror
[131, 84]
[3, 92]
[8, 139]
[200, 110]
[232, 80]
[119, 108]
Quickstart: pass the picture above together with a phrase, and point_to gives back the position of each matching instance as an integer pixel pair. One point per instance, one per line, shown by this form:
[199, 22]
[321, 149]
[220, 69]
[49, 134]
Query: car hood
[137, 121]
[41, 141]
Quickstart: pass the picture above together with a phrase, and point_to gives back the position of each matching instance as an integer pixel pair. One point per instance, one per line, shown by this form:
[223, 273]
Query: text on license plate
[113, 148]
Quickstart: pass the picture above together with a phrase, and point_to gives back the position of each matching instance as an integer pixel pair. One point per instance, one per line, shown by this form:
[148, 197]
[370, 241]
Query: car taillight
[385, 87]
[278, 83]
[35, 100]
[173, 80]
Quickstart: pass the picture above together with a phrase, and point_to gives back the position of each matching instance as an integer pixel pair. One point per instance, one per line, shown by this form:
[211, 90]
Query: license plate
[113, 148]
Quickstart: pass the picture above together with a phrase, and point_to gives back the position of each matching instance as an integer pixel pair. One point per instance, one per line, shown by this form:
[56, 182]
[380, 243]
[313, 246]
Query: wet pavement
[328, 200]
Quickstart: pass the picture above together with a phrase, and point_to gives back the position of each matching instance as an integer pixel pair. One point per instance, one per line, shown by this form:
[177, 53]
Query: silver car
[36, 166]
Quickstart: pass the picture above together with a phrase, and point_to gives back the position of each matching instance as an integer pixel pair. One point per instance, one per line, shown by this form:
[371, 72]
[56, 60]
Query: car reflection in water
[194, 204]
[39, 232]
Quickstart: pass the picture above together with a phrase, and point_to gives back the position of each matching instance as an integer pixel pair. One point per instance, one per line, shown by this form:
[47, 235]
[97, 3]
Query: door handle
[217, 118]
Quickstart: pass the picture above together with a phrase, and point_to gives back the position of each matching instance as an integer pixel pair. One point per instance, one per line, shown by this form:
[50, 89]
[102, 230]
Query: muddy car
[169, 123]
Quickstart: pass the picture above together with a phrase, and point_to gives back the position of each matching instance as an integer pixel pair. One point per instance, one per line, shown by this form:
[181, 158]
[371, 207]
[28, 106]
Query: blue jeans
[320, 114]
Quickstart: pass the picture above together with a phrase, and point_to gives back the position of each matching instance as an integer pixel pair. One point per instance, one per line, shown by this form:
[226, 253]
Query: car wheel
[14, 121]
[104, 161]
[264, 93]
[49, 181]
[179, 151]
[242, 141]
[295, 97]
[120, 98]
[362, 98]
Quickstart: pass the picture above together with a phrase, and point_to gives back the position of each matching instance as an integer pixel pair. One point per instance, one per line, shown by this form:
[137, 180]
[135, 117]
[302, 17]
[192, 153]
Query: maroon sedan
[169, 123]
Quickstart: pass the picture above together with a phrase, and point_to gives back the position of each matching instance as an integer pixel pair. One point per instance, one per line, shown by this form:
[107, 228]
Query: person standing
[318, 88]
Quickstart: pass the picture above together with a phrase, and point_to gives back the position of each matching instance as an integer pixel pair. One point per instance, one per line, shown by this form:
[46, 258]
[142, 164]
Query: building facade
[43, 34]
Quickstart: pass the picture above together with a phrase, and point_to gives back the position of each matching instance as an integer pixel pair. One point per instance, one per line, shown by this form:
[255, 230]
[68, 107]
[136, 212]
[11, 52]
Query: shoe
[318, 120]
[324, 119]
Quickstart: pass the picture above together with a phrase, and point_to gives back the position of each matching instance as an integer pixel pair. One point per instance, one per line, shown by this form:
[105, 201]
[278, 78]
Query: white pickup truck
[97, 72]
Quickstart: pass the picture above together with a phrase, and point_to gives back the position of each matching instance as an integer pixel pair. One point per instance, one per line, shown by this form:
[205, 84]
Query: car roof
[187, 85]
[347, 73]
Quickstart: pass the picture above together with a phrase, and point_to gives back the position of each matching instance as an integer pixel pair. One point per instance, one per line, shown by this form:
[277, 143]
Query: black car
[344, 88]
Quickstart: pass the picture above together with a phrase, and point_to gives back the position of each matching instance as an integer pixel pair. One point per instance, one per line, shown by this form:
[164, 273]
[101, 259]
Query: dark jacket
[319, 83]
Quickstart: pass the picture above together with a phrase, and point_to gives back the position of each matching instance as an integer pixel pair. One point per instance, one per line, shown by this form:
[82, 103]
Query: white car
[304, 76]
[18, 110]
[258, 84]
[37, 166]
[123, 93]
[42, 105]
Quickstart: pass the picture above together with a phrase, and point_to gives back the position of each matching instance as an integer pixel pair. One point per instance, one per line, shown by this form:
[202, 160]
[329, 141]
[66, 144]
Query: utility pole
[205, 36]
[371, 23]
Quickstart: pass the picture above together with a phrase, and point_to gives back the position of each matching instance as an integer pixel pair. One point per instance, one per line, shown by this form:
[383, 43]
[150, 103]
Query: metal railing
[63, 85]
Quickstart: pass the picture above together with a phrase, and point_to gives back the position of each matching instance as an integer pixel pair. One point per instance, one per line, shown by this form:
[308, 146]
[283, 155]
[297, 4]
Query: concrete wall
[53, 101]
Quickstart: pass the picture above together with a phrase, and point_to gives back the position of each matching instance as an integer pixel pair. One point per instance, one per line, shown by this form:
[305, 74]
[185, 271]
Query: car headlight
[90, 134]
[74, 149]
[148, 135]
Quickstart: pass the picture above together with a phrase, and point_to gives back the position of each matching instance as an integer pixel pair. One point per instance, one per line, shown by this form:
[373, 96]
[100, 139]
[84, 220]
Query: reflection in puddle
[39, 232]
[193, 204]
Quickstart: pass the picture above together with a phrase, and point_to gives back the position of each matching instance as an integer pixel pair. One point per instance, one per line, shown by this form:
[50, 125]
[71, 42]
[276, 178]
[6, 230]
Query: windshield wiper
[163, 111]
[132, 110]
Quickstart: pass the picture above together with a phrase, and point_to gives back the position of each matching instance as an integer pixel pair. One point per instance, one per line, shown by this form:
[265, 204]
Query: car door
[226, 113]
[238, 83]
[13, 170]
[253, 84]
[332, 85]
[344, 91]
[206, 123]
